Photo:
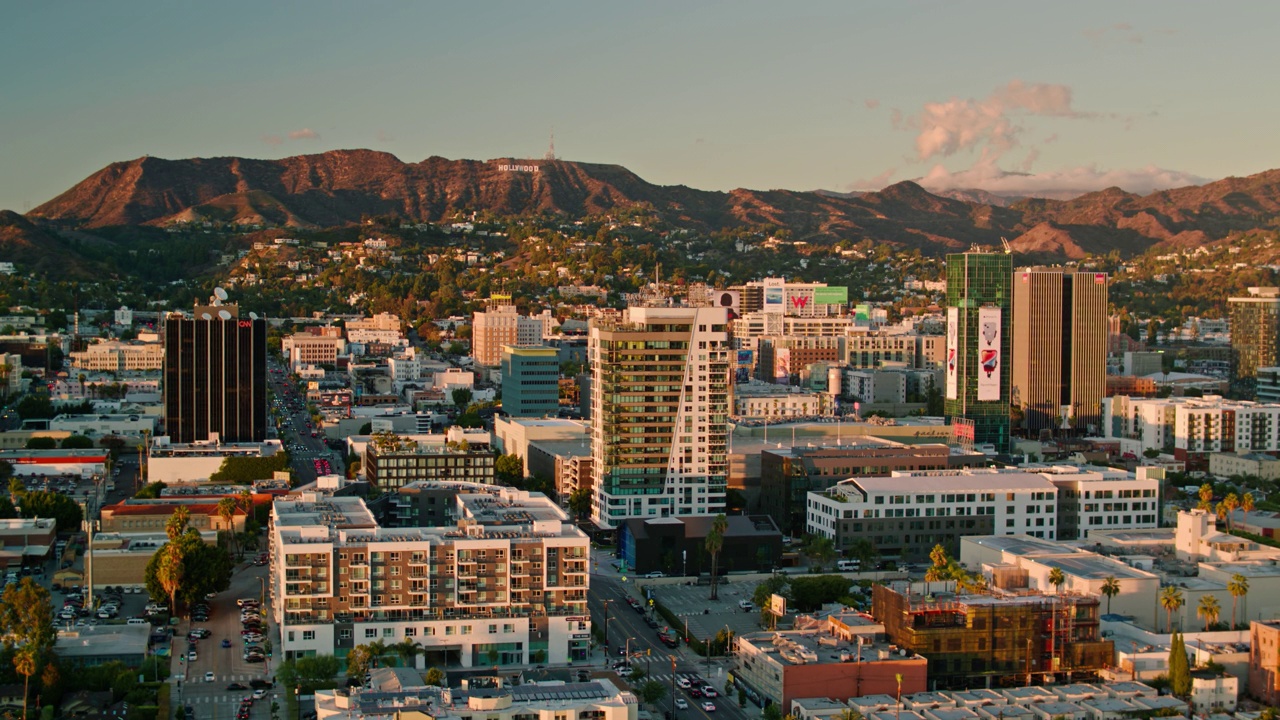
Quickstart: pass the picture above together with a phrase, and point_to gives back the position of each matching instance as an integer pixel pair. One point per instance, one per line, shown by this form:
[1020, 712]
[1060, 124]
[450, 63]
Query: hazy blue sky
[838, 95]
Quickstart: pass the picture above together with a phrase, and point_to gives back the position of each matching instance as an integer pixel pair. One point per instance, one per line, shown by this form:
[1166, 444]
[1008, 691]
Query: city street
[626, 628]
[212, 700]
[295, 434]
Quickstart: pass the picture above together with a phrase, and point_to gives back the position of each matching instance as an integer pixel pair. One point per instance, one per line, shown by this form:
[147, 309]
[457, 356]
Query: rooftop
[103, 640]
[800, 647]
[958, 480]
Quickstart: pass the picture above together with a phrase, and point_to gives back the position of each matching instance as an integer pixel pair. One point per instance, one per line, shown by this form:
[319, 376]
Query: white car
[709, 706]
[209, 677]
[746, 604]
[682, 704]
[654, 575]
[683, 683]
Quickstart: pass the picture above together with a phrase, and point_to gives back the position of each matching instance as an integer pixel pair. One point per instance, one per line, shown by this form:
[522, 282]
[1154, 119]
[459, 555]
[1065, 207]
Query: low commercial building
[305, 348]
[678, 545]
[26, 541]
[758, 400]
[975, 640]
[1261, 465]
[506, 585]
[788, 474]
[89, 646]
[119, 357]
[823, 661]
[79, 463]
[132, 515]
[480, 697]
[131, 426]
[170, 462]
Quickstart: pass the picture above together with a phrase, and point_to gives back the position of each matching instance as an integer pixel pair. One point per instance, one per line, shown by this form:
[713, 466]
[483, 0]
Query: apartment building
[1192, 428]
[781, 357]
[507, 584]
[1100, 498]
[766, 400]
[308, 349]
[119, 357]
[1255, 330]
[391, 461]
[973, 640]
[777, 296]
[1264, 661]
[503, 325]
[660, 405]
[478, 697]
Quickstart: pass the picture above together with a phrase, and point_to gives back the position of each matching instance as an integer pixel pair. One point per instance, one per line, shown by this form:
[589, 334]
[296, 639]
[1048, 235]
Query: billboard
[990, 336]
[728, 299]
[773, 294]
[953, 353]
[782, 366]
[830, 295]
[745, 357]
[777, 605]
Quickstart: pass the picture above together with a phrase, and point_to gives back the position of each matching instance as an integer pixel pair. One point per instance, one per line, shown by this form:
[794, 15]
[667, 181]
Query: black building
[678, 545]
[215, 376]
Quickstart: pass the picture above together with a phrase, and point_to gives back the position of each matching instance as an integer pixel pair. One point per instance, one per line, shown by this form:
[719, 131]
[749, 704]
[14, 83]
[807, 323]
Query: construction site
[999, 639]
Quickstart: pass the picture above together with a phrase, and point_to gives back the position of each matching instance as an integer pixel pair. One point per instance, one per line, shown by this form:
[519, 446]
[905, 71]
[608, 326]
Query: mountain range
[340, 187]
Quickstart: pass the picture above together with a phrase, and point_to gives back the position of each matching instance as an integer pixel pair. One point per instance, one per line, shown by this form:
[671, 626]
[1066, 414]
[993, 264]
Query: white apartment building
[1191, 426]
[490, 698]
[507, 585]
[306, 349]
[660, 408]
[119, 357]
[760, 324]
[503, 325]
[911, 511]
[766, 400]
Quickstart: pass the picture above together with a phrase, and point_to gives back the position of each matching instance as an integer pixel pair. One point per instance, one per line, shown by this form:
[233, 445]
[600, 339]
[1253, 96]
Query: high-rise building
[660, 407]
[1059, 348]
[215, 376]
[530, 381]
[978, 334]
[1255, 326]
[503, 325]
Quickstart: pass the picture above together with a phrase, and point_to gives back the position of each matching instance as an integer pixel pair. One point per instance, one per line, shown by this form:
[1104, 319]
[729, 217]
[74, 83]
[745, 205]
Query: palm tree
[408, 650]
[377, 649]
[1110, 588]
[1171, 600]
[849, 714]
[1208, 609]
[1238, 587]
[24, 661]
[1206, 497]
[1057, 578]
[938, 555]
[227, 511]
[169, 574]
[714, 544]
[1230, 503]
[177, 523]
[1246, 506]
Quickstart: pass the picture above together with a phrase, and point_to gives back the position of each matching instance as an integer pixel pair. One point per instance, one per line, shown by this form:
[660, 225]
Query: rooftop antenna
[219, 296]
[551, 151]
[1007, 250]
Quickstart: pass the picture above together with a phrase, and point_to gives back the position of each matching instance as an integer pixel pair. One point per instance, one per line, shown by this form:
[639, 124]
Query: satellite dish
[206, 316]
[220, 293]
[224, 314]
[253, 316]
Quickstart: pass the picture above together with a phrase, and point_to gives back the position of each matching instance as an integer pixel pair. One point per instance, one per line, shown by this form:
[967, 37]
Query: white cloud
[1065, 182]
[304, 134]
[991, 125]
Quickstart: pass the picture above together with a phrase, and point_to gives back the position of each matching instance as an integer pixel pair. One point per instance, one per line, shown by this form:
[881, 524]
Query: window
[308, 634]
[371, 632]
[410, 632]
[388, 632]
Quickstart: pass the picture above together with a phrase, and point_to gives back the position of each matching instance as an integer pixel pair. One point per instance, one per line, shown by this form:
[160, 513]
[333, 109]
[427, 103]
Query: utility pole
[606, 630]
[673, 685]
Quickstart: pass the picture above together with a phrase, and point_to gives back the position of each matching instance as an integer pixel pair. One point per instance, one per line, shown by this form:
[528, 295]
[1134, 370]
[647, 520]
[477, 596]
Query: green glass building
[979, 325]
[530, 381]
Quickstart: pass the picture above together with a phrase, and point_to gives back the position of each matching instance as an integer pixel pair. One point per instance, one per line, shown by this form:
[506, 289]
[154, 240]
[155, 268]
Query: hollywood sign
[519, 168]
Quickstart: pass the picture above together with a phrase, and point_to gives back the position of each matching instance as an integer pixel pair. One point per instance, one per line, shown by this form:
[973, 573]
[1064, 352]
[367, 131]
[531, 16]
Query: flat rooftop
[960, 480]
[1023, 545]
[801, 647]
[103, 640]
[1094, 567]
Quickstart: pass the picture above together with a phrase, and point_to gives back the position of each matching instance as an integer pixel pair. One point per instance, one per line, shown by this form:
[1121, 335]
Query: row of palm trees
[1227, 505]
[1208, 609]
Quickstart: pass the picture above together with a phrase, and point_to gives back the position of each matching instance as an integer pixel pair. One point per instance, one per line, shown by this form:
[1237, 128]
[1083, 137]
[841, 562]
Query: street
[212, 700]
[626, 628]
[295, 430]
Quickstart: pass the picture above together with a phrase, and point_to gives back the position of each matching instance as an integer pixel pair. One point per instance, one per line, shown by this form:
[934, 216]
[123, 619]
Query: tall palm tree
[246, 501]
[1209, 610]
[408, 650]
[1110, 588]
[1246, 505]
[1206, 497]
[377, 649]
[227, 511]
[24, 661]
[1171, 600]
[1057, 578]
[1238, 587]
[714, 544]
[1230, 503]
[177, 523]
[169, 574]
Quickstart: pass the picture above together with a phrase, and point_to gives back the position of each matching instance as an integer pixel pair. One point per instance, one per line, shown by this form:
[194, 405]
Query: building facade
[499, 326]
[215, 376]
[1264, 661]
[979, 323]
[530, 381]
[119, 357]
[1255, 326]
[506, 585]
[1059, 349]
[392, 461]
[660, 404]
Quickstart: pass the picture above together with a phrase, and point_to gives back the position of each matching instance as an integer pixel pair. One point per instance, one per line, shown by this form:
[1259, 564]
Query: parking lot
[706, 617]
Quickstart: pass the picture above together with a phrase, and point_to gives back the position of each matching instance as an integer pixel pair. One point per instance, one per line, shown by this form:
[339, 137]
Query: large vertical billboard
[953, 353]
[782, 366]
[774, 289]
[989, 356]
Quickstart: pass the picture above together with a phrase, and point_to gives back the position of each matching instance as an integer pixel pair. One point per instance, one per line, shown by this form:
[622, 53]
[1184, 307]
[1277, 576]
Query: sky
[1013, 97]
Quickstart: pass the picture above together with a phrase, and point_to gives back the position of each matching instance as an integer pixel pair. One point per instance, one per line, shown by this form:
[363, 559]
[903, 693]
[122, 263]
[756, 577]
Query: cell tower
[551, 151]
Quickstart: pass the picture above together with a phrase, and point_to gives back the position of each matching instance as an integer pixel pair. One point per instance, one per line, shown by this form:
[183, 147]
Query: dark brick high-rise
[215, 376]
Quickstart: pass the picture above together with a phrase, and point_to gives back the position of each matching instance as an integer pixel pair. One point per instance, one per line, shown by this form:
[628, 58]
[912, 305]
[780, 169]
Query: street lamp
[606, 630]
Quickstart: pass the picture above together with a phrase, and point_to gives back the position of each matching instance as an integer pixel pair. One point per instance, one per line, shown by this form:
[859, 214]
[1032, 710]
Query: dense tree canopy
[47, 504]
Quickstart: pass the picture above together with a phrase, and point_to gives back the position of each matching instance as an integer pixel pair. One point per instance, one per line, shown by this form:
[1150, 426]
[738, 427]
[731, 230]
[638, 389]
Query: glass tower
[979, 324]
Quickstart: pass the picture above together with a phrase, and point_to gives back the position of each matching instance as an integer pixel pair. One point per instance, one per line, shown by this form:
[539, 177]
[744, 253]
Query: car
[255, 659]
[259, 694]
[226, 643]
[695, 692]
[708, 691]
[746, 605]
[651, 622]
[191, 656]
[208, 676]
[236, 686]
[682, 704]
[683, 683]
[654, 575]
[709, 706]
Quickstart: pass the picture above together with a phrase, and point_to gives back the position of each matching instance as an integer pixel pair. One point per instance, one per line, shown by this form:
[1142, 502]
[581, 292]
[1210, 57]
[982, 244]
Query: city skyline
[821, 96]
